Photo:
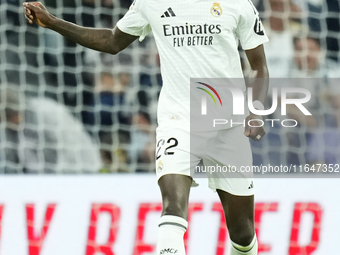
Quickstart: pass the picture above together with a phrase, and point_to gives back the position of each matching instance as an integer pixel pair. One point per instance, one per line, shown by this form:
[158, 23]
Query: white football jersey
[195, 39]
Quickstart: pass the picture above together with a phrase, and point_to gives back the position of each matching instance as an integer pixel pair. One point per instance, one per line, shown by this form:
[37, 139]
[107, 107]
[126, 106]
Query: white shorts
[179, 151]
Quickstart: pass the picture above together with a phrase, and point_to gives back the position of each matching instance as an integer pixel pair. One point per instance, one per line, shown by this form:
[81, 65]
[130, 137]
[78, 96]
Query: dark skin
[104, 40]
[239, 210]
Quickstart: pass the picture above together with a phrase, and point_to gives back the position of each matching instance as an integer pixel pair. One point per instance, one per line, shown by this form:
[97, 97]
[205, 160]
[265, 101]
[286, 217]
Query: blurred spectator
[142, 147]
[310, 62]
[323, 19]
[324, 144]
[307, 63]
[41, 136]
[280, 25]
[107, 17]
[109, 103]
[110, 119]
[307, 57]
[320, 129]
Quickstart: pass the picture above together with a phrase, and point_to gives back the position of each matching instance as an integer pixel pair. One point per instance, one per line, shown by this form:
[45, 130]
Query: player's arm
[257, 61]
[104, 40]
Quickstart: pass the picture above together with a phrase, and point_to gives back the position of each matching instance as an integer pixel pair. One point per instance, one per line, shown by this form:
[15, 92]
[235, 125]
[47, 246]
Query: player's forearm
[96, 39]
[260, 85]
[257, 61]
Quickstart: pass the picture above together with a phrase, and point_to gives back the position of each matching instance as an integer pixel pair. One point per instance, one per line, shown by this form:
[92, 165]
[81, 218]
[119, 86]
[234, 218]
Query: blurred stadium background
[110, 102]
[66, 109]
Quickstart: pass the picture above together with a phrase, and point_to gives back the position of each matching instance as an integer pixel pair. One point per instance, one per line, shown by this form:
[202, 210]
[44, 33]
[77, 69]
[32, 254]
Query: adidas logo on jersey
[168, 13]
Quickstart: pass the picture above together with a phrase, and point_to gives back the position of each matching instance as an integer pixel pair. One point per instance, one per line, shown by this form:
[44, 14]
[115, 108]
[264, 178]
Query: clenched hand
[37, 12]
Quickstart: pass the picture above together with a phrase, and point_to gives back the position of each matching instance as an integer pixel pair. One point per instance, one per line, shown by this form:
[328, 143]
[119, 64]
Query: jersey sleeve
[134, 22]
[250, 30]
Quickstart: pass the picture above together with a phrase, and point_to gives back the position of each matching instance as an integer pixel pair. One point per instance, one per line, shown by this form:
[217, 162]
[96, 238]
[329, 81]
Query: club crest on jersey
[216, 10]
[160, 166]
